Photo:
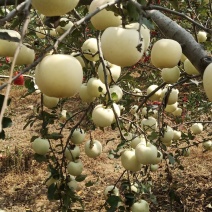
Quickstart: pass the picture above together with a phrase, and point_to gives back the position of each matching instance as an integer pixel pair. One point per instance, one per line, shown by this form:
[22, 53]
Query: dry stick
[14, 12]
[4, 106]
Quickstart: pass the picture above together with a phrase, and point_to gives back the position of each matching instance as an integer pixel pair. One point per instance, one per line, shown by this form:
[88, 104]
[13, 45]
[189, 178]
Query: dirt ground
[22, 178]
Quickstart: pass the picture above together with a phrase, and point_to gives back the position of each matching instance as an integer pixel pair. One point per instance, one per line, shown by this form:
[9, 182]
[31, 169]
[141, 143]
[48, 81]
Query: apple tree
[140, 68]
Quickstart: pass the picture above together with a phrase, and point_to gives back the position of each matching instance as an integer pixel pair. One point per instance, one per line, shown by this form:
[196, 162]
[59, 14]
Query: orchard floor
[22, 178]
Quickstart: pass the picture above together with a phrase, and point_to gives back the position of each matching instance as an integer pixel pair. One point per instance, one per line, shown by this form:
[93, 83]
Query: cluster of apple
[61, 76]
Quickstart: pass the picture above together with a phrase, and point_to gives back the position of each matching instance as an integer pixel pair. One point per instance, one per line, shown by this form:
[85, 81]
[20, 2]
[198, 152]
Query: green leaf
[40, 158]
[2, 135]
[29, 84]
[54, 136]
[80, 178]
[114, 96]
[2, 100]
[89, 183]
[113, 201]
[148, 23]
[51, 191]
[171, 159]
[6, 122]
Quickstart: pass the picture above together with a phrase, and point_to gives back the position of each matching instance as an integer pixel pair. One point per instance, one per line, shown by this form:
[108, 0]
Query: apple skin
[137, 140]
[54, 7]
[197, 128]
[116, 44]
[25, 56]
[90, 49]
[171, 108]
[40, 146]
[140, 206]
[93, 86]
[177, 112]
[75, 168]
[8, 48]
[168, 135]
[73, 152]
[129, 161]
[118, 91]
[189, 68]
[207, 77]
[50, 102]
[115, 191]
[62, 29]
[177, 135]
[154, 167]
[102, 117]
[104, 18]
[19, 80]
[93, 150]
[201, 36]
[149, 124]
[207, 145]
[113, 75]
[171, 55]
[146, 154]
[157, 95]
[144, 31]
[173, 95]
[78, 136]
[84, 95]
[170, 75]
[59, 75]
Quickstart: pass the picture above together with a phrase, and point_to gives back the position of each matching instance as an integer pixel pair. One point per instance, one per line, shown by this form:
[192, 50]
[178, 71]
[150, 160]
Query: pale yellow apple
[90, 49]
[54, 7]
[59, 75]
[189, 68]
[201, 36]
[207, 79]
[104, 18]
[166, 53]
[8, 47]
[121, 47]
[170, 75]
